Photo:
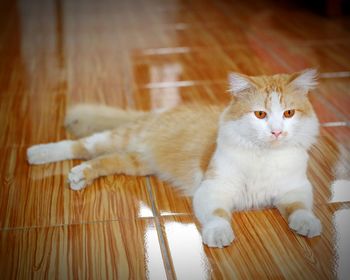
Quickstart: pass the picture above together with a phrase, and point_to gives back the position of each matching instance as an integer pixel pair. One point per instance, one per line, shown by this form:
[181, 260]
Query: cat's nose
[276, 133]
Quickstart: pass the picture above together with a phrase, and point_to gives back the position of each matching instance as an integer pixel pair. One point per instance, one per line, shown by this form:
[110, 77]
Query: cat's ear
[239, 83]
[305, 80]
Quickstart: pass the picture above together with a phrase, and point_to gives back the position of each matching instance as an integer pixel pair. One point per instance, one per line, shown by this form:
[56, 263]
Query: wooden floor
[156, 54]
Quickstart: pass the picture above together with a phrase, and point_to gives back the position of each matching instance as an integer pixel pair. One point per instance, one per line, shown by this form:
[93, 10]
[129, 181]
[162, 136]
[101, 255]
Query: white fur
[255, 170]
[275, 116]
[306, 81]
[252, 179]
[76, 177]
[305, 223]
[197, 179]
[52, 152]
[238, 83]
[217, 233]
[97, 138]
[253, 133]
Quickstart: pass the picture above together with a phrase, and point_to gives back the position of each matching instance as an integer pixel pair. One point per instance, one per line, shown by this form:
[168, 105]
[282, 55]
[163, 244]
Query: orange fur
[206, 157]
[85, 119]
[129, 163]
[222, 214]
[288, 209]
[260, 92]
[79, 151]
[168, 142]
[176, 152]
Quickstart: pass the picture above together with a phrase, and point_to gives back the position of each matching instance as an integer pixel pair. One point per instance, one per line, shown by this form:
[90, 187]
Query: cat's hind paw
[39, 154]
[217, 233]
[305, 223]
[77, 178]
[51, 152]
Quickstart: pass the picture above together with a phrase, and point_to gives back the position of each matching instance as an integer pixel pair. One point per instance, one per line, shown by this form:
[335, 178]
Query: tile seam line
[162, 243]
[336, 124]
[74, 224]
[88, 222]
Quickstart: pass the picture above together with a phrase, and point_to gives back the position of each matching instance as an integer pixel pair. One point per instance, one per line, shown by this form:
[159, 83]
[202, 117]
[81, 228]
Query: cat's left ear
[305, 80]
[239, 83]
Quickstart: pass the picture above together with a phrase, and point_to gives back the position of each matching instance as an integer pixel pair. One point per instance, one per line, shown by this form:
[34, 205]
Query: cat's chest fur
[258, 178]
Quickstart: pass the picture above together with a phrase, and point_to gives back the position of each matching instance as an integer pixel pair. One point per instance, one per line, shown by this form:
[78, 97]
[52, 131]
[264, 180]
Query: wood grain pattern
[166, 97]
[202, 65]
[40, 196]
[150, 55]
[104, 250]
[329, 162]
[335, 93]
[262, 247]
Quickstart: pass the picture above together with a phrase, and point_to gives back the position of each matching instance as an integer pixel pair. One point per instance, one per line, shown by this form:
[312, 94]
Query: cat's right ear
[304, 80]
[239, 83]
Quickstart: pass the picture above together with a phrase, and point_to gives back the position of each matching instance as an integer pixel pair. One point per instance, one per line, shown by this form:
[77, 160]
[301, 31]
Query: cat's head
[271, 111]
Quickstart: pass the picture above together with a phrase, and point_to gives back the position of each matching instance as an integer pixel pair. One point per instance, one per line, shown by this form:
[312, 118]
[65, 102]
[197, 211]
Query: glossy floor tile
[169, 201]
[166, 96]
[155, 55]
[329, 58]
[329, 164]
[40, 195]
[104, 250]
[334, 94]
[202, 65]
[262, 248]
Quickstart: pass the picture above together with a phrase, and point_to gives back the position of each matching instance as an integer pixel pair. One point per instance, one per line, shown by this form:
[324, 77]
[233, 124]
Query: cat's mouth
[275, 142]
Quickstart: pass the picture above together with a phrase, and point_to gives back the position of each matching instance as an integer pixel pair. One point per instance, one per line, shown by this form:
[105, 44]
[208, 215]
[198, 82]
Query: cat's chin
[276, 143]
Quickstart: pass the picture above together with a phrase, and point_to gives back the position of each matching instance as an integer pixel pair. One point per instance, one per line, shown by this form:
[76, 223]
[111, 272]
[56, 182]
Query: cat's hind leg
[51, 152]
[126, 162]
[84, 148]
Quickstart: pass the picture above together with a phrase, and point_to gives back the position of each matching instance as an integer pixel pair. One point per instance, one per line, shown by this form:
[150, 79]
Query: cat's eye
[289, 113]
[260, 114]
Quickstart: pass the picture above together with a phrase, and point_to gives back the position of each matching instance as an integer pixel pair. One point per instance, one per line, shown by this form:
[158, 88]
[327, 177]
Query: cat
[252, 153]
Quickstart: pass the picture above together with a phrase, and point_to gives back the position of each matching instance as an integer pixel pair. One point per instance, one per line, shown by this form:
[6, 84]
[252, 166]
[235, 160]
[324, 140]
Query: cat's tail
[85, 119]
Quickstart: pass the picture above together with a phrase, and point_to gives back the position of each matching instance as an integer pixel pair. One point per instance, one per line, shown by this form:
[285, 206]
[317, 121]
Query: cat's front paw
[305, 223]
[217, 233]
[77, 177]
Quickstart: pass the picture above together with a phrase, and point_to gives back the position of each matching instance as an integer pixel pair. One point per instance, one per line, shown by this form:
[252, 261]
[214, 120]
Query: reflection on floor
[155, 55]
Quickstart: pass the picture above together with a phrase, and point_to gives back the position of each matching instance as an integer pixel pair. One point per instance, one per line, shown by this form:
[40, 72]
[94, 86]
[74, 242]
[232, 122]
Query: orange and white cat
[250, 154]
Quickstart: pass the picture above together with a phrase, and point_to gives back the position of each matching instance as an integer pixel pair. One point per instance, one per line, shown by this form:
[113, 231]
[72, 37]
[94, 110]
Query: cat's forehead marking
[273, 101]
